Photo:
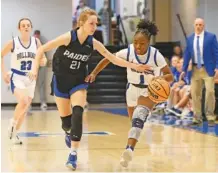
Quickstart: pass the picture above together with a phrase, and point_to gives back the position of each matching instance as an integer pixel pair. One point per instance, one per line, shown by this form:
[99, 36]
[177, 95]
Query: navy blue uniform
[70, 66]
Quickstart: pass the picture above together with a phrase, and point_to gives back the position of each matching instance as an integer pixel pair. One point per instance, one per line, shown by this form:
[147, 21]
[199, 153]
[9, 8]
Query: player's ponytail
[147, 28]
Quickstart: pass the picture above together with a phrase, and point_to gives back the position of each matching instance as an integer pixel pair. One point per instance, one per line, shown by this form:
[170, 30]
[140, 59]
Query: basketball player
[142, 53]
[138, 102]
[73, 52]
[23, 50]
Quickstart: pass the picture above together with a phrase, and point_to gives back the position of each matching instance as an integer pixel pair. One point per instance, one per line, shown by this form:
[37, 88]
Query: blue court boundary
[204, 128]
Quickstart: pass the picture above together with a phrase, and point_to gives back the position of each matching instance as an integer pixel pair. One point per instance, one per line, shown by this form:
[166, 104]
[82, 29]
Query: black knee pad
[76, 123]
[66, 122]
[136, 122]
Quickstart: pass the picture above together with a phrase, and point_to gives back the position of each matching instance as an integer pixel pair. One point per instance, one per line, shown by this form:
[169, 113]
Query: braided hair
[147, 28]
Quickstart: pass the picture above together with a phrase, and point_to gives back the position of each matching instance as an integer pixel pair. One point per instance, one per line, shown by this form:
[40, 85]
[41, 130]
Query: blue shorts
[58, 93]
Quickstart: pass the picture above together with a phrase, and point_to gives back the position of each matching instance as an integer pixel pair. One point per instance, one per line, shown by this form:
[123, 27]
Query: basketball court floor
[161, 148]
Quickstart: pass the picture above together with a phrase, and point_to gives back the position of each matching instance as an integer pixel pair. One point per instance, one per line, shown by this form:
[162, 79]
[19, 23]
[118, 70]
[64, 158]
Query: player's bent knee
[141, 112]
[24, 101]
[66, 122]
[76, 123]
[140, 115]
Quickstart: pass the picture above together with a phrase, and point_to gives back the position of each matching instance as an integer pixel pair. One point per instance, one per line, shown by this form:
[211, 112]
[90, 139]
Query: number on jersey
[26, 65]
[75, 65]
[142, 79]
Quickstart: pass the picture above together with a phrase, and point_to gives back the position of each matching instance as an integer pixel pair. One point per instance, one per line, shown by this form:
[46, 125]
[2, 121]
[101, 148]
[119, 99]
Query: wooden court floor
[160, 148]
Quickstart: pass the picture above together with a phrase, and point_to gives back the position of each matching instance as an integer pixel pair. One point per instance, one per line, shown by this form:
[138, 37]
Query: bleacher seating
[110, 84]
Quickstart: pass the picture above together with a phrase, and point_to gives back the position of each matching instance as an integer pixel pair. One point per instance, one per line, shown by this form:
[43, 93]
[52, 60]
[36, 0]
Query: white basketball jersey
[23, 58]
[153, 58]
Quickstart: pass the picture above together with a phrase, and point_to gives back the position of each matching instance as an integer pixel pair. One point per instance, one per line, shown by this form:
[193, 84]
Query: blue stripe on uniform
[148, 57]
[57, 92]
[18, 72]
[128, 52]
[78, 87]
[155, 58]
[90, 38]
[73, 35]
[12, 83]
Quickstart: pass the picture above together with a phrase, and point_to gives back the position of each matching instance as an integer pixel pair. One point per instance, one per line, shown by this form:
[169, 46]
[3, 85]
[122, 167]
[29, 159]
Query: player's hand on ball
[142, 67]
[43, 62]
[157, 77]
[90, 78]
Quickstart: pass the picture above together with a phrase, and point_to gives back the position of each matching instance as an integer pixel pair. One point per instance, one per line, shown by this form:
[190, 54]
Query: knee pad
[76, 123]
[66, 122]
[140, 115]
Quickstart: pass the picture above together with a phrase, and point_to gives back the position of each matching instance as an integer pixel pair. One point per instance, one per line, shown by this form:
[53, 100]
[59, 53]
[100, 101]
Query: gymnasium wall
[51, 17]
[208, 9]
[189, 10]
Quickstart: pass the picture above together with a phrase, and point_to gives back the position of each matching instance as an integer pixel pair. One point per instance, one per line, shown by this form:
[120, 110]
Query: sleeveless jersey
[23, 58]
[153, 58]
[73, 58]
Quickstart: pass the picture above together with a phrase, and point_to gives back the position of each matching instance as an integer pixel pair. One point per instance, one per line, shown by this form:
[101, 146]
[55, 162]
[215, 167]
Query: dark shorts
[65, 87]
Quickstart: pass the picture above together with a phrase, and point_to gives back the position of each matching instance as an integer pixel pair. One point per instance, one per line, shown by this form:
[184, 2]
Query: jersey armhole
[155, 58]
[13, 47]
[128, 53]
[90, 40]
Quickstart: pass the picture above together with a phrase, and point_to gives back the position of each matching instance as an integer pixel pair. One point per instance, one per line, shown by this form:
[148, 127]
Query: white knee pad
[140, 115]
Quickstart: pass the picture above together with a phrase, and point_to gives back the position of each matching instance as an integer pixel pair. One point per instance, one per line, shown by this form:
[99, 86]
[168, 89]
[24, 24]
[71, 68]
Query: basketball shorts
[21, 81]
[133, 93]
[65, 87]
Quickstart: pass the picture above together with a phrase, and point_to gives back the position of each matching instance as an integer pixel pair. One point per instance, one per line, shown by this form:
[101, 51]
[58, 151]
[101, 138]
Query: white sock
[73, 151]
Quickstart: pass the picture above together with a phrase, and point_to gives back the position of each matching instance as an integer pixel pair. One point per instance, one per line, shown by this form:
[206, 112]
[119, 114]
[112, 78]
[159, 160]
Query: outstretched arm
[59, 41]
[100, 66]
[117, 61]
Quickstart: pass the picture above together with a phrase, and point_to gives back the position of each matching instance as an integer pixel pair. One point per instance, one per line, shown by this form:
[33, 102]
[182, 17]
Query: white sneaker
[43, 106]
[126, 157]
[16, 140]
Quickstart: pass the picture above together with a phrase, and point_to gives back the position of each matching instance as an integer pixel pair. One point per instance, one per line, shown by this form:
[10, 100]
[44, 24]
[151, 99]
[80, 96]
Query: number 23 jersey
[23, 58]
[73, 58]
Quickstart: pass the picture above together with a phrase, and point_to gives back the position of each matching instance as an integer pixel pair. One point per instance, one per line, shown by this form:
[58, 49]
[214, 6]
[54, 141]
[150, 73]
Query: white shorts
[23, 82]
[133, 93]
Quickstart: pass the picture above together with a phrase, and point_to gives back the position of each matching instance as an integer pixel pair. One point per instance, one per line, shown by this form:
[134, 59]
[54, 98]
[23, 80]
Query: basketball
[158, 90]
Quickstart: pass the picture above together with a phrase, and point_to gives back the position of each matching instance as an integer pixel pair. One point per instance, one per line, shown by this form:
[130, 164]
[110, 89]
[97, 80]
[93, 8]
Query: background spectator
[41, 78]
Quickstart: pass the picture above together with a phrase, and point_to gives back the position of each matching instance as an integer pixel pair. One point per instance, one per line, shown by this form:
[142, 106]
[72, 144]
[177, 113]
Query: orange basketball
[158, 90]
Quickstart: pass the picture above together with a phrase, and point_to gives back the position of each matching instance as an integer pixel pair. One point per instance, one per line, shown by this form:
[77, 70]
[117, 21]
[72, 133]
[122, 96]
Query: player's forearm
[39, 55]
[118, 61]
[101, 65]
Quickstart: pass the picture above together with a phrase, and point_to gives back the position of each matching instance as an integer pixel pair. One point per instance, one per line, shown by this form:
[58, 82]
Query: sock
[73, 151]
[13, 122]
[130, 147]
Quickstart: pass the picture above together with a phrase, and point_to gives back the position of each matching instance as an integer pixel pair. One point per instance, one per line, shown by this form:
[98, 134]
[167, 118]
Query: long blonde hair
[84, 16]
